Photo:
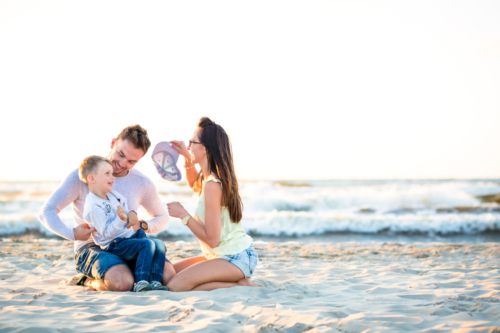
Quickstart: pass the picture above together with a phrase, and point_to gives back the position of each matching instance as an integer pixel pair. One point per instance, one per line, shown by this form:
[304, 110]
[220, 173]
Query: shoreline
[492, 236]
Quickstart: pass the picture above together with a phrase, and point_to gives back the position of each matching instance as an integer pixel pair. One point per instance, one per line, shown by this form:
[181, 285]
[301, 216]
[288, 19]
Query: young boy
[106, 210]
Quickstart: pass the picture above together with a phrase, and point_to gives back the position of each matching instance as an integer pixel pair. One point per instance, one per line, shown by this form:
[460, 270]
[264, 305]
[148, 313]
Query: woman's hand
[175, 209]
[180, 147]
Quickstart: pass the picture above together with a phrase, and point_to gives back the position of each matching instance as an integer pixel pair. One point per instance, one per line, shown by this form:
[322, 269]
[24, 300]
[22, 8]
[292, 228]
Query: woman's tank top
[233, 238]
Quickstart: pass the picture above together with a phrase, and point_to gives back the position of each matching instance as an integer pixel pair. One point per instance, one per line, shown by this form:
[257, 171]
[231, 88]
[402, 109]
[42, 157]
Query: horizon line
[286, 180]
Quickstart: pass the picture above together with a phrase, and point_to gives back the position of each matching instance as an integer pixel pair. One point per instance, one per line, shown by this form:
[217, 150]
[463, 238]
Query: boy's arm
[132, 218]
[106, 227]
[153, 205]
[67, 192]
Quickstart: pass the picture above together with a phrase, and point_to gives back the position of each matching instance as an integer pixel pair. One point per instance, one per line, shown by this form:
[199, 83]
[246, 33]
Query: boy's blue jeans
[150, 255]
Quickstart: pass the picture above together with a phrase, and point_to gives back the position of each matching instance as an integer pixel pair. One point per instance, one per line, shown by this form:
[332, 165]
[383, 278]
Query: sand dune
[348, 287]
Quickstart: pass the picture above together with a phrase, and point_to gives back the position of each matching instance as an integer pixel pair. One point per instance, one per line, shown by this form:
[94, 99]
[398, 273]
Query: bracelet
[187, 168]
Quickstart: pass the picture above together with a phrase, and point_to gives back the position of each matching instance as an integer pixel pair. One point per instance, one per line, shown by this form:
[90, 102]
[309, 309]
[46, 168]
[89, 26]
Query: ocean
[424, 210]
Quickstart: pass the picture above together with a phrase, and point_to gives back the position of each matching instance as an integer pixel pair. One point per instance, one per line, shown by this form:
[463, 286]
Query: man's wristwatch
[186, 220]
[143, 224]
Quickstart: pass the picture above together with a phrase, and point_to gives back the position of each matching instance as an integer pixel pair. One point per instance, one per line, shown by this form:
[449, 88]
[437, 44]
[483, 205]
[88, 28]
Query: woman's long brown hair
[220, 162]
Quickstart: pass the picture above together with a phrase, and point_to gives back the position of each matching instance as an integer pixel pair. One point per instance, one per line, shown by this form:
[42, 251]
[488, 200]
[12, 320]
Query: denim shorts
[94, 262]
[246, 260]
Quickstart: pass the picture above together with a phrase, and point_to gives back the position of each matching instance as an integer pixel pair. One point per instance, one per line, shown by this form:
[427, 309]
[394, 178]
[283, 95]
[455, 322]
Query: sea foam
[308, 207]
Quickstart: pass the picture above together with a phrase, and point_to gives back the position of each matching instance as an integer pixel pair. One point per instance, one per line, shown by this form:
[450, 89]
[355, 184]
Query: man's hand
[121, 213]
[82, 232]
[132, 219]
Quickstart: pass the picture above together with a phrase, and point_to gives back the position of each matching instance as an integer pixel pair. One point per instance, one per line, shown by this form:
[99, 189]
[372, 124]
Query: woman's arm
[210, 232]
[191, 172]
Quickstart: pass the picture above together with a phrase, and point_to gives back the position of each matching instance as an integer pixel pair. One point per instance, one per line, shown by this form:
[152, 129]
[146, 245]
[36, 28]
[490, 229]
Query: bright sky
[306, 89]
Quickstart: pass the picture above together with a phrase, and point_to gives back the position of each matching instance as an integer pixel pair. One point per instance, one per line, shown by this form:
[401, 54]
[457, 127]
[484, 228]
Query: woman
[229, 258]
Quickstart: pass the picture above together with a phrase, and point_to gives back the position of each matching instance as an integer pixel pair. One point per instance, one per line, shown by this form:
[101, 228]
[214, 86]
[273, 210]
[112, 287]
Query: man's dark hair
[136, 135]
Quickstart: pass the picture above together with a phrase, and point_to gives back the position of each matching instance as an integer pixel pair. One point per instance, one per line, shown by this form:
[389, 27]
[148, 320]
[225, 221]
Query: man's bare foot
[247, 283]
[78, 281]
[91, 283]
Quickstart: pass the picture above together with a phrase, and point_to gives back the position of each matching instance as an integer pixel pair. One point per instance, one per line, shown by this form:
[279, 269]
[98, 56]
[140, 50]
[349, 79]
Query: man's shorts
[94, 262]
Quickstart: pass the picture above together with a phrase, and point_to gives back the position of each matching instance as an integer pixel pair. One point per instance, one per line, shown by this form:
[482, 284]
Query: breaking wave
[309, 207]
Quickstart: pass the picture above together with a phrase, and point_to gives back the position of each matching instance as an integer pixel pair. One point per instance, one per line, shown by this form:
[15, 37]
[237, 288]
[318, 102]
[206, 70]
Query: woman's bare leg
[185, 263]
[217, 285]
[216, 270]
[168, 273]
[248, 283]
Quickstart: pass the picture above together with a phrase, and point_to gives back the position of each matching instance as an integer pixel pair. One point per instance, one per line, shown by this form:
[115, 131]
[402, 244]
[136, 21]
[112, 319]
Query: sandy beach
[345, 287]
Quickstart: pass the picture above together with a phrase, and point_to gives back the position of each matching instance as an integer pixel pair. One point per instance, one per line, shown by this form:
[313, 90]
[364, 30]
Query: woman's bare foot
[247, 283]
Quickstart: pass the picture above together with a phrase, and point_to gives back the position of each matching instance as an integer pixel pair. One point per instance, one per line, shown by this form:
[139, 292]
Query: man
[108, 271]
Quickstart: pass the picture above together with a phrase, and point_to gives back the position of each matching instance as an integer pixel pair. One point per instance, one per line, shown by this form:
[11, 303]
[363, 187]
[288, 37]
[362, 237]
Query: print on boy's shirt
[108, 207]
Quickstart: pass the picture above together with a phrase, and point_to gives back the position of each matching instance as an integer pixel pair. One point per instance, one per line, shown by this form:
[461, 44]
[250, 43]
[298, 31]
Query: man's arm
[153, 205]
[67, 192]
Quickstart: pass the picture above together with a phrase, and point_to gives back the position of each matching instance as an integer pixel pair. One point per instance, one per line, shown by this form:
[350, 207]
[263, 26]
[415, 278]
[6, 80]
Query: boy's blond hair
[89, 166]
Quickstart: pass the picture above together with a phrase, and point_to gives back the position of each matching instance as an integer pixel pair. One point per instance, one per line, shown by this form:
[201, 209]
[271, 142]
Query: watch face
[144, 226]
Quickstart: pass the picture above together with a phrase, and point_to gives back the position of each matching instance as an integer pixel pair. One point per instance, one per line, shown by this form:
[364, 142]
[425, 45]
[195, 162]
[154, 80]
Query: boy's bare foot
[247, 283]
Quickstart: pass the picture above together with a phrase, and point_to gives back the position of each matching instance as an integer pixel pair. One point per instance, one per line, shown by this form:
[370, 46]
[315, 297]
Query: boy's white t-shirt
[101, 214]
